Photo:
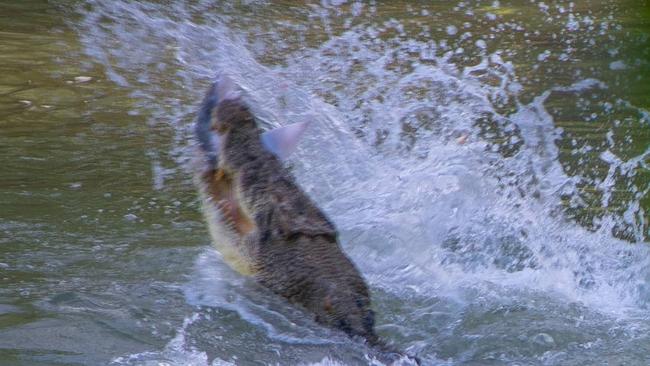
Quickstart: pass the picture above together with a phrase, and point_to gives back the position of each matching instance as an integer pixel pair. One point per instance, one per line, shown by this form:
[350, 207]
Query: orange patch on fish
[221, 191]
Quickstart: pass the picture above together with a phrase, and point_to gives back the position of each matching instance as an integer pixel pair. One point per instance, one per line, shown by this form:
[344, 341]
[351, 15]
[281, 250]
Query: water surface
[485, 162]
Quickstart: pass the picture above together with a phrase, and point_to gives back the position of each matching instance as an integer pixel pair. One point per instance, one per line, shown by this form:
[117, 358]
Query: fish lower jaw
[224, 238]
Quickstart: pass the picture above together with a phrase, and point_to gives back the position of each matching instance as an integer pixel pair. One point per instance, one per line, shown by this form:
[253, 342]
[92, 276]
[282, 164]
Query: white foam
[424, 201]
[411, 202]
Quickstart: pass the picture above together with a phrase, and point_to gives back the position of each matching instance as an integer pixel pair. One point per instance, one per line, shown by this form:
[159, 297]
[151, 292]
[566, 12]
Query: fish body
[266, 226]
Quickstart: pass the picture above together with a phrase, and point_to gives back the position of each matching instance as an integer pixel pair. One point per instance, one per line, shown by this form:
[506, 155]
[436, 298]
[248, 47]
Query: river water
[486, 163]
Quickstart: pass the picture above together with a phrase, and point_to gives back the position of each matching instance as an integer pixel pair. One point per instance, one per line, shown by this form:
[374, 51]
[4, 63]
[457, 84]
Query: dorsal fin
[283, 141]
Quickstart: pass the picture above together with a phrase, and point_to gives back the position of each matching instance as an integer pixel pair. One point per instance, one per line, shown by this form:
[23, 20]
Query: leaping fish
[264, 224]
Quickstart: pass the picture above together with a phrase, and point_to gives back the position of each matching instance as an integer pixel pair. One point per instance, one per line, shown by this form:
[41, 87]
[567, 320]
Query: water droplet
[82, 79]
[130, 217]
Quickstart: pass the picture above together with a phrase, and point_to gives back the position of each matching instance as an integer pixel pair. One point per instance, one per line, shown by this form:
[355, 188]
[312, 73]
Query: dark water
[487, 164]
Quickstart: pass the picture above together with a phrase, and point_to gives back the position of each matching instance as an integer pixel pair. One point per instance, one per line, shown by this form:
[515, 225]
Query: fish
[263, 223]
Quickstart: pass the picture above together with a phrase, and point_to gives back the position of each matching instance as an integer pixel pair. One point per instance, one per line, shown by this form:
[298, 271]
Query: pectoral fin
[283, 141]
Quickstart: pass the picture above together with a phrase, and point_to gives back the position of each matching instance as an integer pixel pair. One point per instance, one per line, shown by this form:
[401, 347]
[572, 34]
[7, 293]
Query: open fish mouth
[222, 193]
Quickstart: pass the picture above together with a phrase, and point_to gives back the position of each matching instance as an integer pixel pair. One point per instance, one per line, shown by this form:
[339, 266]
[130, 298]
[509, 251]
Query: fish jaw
[223, 227]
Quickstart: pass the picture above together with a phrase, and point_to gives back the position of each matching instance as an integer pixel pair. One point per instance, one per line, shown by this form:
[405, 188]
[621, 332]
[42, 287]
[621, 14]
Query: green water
[100, 228]
[75, 164]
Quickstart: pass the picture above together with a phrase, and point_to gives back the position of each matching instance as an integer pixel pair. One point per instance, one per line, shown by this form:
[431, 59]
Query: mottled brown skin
[294, 246]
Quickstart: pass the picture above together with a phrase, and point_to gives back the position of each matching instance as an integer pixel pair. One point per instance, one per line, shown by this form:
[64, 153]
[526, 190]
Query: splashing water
[452, 208]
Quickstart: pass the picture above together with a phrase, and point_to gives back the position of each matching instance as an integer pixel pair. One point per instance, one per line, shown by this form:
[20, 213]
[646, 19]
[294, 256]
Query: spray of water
[428, 206]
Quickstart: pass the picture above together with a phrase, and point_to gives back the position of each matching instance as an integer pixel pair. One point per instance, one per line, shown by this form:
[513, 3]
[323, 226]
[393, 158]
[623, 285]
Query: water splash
[436, 190]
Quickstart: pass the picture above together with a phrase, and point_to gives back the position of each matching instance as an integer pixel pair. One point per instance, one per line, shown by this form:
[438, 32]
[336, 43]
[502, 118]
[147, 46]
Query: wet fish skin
[292, 246]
